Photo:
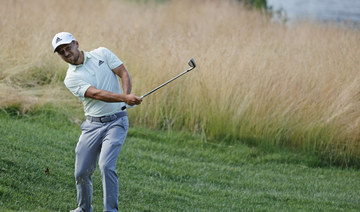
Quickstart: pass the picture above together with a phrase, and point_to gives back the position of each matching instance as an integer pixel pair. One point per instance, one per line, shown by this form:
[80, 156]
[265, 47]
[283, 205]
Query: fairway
[165, 171]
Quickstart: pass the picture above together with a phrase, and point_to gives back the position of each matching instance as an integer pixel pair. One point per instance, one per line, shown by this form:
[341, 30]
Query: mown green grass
[164, 171]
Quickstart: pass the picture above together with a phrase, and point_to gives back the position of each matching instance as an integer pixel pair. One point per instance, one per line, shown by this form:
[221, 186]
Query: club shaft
[191, 63]
[162, 85]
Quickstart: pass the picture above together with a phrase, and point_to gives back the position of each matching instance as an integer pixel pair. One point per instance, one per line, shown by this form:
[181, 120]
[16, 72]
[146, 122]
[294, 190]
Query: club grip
[126, 106]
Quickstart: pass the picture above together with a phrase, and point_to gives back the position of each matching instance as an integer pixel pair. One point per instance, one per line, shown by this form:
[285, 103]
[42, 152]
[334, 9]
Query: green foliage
[164, 171]
[13, 110]
[257, 4]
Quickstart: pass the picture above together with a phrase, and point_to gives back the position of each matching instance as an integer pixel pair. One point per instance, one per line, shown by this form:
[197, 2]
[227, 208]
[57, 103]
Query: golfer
[93, 78]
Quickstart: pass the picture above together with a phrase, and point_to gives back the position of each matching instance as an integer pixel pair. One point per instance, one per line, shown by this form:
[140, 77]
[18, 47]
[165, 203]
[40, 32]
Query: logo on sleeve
[100, 62]
[58, 40]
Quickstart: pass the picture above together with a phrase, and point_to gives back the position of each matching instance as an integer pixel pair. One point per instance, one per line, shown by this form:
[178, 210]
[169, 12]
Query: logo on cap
[58, 40]
[100, 62]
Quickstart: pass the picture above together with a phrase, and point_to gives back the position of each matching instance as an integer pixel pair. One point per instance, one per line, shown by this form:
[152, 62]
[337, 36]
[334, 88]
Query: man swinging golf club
[93, 78]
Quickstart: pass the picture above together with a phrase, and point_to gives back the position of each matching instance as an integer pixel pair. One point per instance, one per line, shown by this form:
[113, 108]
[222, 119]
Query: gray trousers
[101, 141]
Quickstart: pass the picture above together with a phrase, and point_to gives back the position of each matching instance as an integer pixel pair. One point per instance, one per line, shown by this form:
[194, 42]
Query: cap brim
[62, 43]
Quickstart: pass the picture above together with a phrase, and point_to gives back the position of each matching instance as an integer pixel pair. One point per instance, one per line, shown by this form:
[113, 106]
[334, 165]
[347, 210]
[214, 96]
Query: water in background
[337, 11]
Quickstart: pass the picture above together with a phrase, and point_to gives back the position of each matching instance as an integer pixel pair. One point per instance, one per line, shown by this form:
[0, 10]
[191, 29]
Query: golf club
[192, 65]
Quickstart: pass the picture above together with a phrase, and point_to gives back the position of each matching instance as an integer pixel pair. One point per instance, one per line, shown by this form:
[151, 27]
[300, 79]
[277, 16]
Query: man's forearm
[108, 96]
[104, 95]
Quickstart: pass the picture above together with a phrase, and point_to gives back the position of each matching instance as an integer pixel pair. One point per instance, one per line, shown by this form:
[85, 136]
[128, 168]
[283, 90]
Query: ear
[77, 44]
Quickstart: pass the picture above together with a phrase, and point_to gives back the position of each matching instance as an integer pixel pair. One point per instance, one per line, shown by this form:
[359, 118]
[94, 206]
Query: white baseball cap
[62, 38]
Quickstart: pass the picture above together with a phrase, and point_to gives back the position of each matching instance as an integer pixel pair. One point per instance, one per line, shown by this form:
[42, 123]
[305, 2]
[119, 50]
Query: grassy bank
[164, 171]
[256, 81]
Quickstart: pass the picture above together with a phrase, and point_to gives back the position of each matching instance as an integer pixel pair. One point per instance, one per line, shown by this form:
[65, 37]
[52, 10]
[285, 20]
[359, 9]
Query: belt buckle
[103, 119]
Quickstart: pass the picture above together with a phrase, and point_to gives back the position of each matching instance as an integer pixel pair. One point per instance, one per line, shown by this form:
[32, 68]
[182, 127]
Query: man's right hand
[132, 99]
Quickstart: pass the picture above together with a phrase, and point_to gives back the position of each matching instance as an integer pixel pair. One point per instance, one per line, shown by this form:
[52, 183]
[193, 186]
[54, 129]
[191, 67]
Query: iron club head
[192, 63]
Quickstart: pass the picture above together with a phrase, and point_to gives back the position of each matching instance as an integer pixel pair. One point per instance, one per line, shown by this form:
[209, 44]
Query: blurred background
[337, 11]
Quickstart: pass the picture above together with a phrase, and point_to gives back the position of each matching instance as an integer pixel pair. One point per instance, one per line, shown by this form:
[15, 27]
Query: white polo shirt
[95, 71]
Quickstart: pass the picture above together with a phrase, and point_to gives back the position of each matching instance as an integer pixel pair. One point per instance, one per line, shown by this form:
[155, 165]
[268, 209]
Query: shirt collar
[74, 67]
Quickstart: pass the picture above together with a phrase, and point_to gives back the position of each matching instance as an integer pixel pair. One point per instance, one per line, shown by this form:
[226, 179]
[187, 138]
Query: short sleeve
[112, 60]
[77, 86]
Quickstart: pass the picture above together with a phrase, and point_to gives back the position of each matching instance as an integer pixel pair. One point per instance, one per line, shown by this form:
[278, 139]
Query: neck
[81, 58]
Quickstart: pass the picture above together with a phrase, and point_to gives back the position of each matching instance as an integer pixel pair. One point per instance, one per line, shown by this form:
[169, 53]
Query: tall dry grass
[256, 81]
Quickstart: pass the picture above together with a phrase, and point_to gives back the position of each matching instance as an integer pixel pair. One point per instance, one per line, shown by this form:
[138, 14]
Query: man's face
[69, 52]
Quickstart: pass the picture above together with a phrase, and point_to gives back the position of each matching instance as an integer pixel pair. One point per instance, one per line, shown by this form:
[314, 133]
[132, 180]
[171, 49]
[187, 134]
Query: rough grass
[164, 171]
[258, 81]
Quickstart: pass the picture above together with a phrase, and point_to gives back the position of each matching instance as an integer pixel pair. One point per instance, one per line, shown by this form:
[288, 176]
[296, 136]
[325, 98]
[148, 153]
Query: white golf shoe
[81, 210]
